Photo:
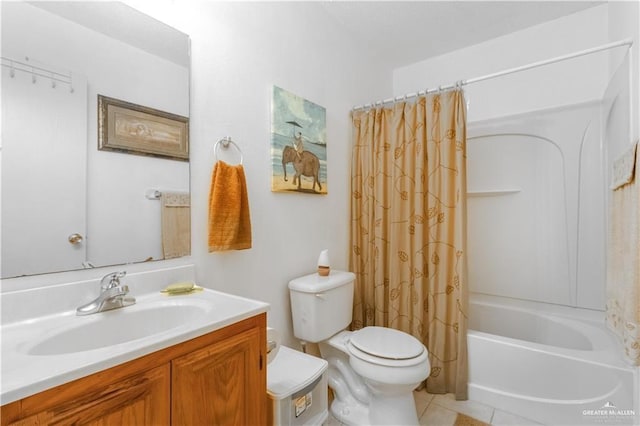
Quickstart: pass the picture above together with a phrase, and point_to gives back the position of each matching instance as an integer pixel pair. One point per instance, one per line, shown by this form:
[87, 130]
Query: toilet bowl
[372, 371]
[392, 364]
[385, 355]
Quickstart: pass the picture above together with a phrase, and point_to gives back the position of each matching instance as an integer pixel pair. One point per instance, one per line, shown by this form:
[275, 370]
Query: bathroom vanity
[218, 378]
[182, 360]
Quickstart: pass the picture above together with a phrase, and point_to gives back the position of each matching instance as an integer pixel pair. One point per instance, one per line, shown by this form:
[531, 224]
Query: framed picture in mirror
[135, 129]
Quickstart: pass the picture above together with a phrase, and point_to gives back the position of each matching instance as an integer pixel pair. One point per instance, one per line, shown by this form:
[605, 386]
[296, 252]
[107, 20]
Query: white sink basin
[119, 326]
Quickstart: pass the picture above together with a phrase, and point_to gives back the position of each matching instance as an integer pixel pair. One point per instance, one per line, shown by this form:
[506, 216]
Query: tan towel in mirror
[229, 219]
[176, 224]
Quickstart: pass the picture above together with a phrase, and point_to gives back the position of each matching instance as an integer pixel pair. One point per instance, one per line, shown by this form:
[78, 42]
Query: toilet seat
[386, 346]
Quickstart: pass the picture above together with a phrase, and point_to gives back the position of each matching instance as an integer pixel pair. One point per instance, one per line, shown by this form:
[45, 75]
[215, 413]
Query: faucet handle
[113, 280]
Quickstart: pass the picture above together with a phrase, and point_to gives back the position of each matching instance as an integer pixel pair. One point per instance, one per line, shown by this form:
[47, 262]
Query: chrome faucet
[112, 295]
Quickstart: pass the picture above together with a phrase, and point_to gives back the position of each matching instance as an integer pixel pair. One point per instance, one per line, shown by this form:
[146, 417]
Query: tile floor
[441, 410]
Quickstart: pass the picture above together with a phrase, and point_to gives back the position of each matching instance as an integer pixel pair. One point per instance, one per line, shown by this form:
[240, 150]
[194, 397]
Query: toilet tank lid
[314, 283]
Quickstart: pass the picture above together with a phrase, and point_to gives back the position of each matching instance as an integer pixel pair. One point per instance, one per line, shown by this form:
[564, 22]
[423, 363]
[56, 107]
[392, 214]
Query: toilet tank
[321, 306]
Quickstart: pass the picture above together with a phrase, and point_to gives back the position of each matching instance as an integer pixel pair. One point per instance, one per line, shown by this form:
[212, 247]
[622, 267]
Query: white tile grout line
[493, 410]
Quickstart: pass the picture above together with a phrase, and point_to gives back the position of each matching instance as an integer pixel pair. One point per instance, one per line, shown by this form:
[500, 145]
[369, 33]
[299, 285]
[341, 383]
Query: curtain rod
[626, 42]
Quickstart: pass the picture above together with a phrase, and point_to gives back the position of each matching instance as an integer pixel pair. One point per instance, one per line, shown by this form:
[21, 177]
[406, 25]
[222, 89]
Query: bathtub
[552, 364]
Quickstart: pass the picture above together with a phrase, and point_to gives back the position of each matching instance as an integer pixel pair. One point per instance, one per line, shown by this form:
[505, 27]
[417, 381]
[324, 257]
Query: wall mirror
[66, 204]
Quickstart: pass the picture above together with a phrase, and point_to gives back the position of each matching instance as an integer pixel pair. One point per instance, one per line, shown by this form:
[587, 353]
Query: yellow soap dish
[181, 288]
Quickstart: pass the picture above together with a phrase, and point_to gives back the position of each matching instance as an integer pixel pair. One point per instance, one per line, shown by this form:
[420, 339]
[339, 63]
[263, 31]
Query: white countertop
[25, 370]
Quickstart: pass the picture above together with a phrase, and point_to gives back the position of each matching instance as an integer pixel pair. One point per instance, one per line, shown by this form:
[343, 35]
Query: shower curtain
[623, 255]
[408, 228]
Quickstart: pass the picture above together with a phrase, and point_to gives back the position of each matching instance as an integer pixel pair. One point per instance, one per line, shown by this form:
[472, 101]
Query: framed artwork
[298, 144]
[135, 129]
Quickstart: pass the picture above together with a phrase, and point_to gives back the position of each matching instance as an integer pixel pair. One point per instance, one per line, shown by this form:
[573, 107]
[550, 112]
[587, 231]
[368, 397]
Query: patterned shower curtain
[408, 228]
[623, 255]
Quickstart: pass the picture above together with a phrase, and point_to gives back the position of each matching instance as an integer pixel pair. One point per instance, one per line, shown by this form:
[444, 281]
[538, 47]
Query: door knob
[75, 239]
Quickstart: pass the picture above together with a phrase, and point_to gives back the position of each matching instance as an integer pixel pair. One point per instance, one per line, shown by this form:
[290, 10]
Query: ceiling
[405, 32]
[119, 21]
[400, 32]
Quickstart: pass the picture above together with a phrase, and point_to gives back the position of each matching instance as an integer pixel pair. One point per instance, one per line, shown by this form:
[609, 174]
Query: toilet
[372, 371]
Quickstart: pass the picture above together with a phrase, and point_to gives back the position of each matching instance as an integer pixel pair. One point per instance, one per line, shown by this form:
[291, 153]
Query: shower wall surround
[545, 240]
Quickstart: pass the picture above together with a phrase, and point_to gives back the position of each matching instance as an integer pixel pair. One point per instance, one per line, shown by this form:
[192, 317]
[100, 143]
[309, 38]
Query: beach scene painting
[298, 144]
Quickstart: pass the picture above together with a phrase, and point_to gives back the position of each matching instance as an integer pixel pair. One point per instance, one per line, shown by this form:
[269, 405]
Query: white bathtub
[551, 364]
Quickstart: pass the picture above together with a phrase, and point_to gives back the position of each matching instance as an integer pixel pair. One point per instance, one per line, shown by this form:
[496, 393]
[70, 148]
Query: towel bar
[226, 141]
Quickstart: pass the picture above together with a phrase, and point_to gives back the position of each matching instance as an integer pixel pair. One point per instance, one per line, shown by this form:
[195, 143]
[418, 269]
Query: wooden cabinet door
[142, 399]
[221, 384]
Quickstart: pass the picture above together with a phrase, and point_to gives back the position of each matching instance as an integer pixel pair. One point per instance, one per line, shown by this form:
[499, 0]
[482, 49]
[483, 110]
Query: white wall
[239, 50]
[566, 83]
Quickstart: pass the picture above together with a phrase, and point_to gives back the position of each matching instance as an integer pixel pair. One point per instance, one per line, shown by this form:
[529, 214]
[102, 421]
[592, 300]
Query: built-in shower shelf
[493, 192]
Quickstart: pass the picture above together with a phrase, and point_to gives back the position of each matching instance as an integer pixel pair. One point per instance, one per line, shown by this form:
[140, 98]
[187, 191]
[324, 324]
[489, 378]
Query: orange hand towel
[229, 220]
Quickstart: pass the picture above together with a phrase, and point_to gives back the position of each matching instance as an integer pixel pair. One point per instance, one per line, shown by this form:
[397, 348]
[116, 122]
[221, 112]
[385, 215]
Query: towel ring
[226, 141]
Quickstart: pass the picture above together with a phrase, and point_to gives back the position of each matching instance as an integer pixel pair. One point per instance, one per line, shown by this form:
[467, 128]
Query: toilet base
[390, 410]
[354, 414]
[399, 409]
